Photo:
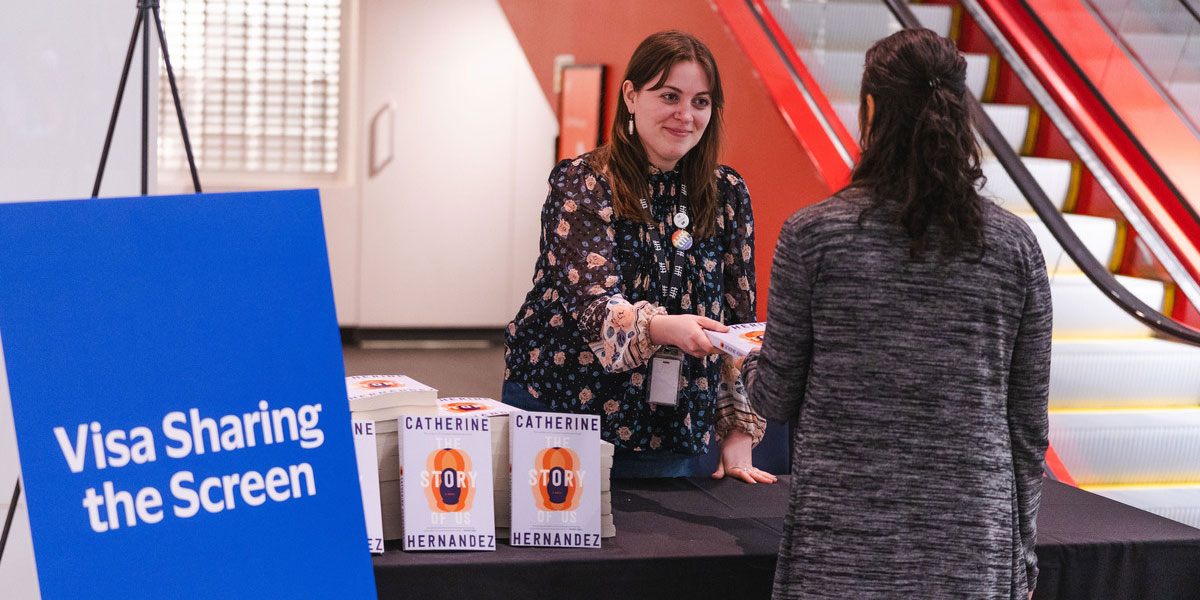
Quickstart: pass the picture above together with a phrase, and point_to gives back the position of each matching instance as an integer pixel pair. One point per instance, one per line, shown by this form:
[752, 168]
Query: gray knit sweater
[917, 393]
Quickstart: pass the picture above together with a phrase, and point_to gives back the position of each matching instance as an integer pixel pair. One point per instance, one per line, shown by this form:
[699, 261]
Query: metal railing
[1097, 273]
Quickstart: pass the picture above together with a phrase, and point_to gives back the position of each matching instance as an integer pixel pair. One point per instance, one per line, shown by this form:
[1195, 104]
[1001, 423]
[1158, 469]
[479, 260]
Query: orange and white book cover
[555, 480]
[739, 340]
[373, 392]
[447, 483]
[480, 407]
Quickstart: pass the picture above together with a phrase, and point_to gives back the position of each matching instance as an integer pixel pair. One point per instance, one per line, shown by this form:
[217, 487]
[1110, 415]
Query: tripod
[146, 8]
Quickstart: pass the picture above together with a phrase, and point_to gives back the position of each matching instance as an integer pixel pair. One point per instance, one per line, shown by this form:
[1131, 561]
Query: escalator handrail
[1191, 9]
[1101, 139]
[1096, 96]
[846, 144]
[800, 103]
[1050, 215]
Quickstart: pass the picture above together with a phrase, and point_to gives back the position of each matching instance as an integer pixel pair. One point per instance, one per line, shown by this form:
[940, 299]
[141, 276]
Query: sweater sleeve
[737, 215]
[775, 377]
[580, 248]
[1028, 391]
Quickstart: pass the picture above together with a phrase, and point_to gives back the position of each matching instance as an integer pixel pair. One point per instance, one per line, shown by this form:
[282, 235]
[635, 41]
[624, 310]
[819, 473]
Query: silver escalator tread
[851, 25]
[1083, 311]
[1013, 122]
[1054, 175]
[1011, 119]
[1145, 372]
[1154, 446]
[1098, 234]
[839, 72]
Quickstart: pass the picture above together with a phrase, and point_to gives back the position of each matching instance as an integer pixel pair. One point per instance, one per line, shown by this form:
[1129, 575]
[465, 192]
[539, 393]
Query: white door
[459, 139]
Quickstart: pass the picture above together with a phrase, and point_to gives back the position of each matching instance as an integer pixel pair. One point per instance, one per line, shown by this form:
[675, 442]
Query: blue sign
[178, 391]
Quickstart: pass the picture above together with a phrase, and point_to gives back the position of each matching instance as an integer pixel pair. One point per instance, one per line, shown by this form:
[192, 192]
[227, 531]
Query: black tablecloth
[702, 538]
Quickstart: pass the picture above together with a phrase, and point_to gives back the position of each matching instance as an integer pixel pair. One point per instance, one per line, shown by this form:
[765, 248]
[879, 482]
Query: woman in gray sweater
[908, 341]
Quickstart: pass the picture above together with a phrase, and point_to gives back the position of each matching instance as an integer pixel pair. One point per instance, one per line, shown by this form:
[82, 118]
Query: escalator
[1118, 228]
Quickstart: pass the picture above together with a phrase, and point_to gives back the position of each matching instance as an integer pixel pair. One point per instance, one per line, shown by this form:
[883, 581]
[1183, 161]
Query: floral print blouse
[581, 340]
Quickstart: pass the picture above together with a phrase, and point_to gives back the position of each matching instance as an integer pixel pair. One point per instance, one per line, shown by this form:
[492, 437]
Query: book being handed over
[739, 340]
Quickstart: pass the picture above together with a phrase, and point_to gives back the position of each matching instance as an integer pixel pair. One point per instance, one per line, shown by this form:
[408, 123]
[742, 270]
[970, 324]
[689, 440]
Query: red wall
[759, 144]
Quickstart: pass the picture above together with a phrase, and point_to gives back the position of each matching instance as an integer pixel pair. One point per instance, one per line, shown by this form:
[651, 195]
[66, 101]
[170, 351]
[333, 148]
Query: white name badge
[665, 367]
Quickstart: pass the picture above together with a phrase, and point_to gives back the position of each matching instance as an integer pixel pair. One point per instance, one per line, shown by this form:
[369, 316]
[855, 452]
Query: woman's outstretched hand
[686, 332]
[735, 460]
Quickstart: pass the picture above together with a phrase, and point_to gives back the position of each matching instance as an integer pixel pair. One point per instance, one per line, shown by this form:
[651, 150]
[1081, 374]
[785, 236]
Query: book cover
[555, 480]
[482, 407]
[373, 392]
[368, 481]
[447, 483]
[739, 340]
[498, 415]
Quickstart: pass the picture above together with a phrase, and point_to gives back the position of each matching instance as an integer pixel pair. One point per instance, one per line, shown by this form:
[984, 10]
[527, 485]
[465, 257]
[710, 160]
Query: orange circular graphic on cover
[463, 407]
[754, 337]
[449, 488]
[558, 485]
[378, 384]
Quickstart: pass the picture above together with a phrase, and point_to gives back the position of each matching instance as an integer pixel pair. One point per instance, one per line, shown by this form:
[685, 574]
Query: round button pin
[682, 240]
[681, 220]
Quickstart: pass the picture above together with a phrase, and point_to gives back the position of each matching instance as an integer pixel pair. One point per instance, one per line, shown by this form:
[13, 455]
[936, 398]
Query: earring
[631, 125]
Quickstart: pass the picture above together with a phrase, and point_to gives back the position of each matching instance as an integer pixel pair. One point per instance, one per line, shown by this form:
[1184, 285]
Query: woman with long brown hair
[908, 338]
[646, 242]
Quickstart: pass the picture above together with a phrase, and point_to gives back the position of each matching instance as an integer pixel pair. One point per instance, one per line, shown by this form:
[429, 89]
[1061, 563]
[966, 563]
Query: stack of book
[368, 458]
[498, 418]
[607, 528]
[447, 484]
[385, 398]
[387, 439]
[382, 399]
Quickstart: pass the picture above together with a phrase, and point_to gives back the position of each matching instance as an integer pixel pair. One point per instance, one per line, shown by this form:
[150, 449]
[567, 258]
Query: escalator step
[1128, 373]
[1121, 447]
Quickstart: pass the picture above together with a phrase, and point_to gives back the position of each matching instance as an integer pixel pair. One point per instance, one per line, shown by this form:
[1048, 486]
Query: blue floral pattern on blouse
[581, 340]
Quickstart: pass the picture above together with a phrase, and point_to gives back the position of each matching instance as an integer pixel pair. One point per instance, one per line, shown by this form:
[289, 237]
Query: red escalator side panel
[1057, 468]
[1152, 120]
[1185, 312]
[1138, 261]
[1139, 178]
[803, 120]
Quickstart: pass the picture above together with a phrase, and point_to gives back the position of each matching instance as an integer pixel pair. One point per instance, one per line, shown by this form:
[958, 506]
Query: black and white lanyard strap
[671, 275]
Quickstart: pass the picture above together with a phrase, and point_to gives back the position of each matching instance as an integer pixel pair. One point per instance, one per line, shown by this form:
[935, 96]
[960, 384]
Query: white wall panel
[473, 142]
[60, 72]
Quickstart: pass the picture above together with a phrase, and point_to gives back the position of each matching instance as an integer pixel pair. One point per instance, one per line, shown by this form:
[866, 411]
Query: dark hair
[919, 149]
[624, 158]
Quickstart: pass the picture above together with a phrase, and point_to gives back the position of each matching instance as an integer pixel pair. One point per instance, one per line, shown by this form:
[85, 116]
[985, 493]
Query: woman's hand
[686, 332]
[735, 460]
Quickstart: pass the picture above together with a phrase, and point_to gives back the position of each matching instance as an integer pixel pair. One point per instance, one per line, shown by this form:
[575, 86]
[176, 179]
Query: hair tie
[935, 83]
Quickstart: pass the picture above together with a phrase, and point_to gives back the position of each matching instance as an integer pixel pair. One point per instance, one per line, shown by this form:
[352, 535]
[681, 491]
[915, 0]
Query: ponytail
[919, 151]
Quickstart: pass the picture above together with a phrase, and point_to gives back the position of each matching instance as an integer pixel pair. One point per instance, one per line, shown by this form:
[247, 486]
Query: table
[701, 538]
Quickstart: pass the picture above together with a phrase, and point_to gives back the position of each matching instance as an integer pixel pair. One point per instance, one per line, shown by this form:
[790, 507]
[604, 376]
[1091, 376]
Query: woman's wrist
[655, 324]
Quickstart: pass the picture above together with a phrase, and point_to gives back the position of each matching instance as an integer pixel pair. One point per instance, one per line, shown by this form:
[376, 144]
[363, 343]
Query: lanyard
[670, 276]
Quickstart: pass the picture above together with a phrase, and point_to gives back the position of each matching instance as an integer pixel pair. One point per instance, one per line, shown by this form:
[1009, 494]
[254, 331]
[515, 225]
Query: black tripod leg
[145, 101]
[112, 122]
[12, 508]
[187, 144]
